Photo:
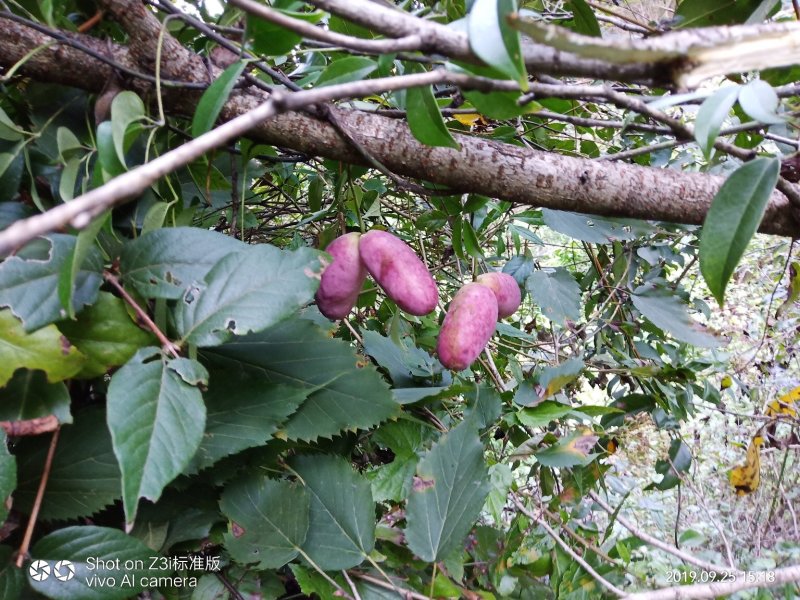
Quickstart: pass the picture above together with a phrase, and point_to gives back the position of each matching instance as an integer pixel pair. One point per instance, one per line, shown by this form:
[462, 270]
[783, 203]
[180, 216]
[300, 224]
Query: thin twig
[168, 345]
[37, 503]
[351, 584]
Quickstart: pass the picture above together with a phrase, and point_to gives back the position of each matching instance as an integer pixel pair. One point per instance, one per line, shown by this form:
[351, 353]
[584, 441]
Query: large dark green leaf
[84, 476]
[163, 263]
[270, 39]
[247, 291]
[704, 13]
[12, 579]
[341, 529]
[105, 334]
[99, 555]
[214, 98]
[157, 417]
[732, 219]
[44, 349]
[345, 70]
[585, 21]
[346, 393]
[557, 294]
[269, 521]
[424, 118]
[667, 312]
[447, 494]
[28, 395]
[8, 476]
[29, 280]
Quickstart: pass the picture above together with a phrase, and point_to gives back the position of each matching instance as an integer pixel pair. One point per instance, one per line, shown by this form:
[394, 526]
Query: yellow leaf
[745, 478]
[784, 405]
[727, 381]
[468, 119]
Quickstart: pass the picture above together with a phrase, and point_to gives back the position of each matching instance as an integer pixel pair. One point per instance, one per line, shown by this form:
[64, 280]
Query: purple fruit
[468, 325]
[398, 270]
[342, 280]
[506, 290]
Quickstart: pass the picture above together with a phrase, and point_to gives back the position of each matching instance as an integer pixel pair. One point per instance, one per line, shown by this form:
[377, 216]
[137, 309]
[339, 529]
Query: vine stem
[168, 345]
[37, 503]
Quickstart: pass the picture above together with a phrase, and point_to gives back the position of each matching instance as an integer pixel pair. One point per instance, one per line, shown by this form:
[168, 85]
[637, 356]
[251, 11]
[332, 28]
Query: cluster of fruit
[473, 313]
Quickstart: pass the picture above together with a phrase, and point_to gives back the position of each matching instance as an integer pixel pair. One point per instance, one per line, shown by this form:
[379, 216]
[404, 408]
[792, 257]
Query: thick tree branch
[481, 166]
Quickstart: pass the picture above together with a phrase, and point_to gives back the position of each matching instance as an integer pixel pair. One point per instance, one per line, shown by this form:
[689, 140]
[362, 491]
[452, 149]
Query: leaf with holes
[269, 521]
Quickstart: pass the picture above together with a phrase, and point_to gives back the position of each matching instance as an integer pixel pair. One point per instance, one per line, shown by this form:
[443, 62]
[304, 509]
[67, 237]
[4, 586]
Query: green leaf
[585, 21]
[759, 100]
[312, 583]
[157, 417]
[84, 476]
[403, 362]
[680, 459]
[8, 480]
[341, 530]
[393, 481]
[29, 281]
[447, 494]
[95, 552]
[163, 263]
[711, 115]
[11, 212]
[247, 291]
[69, 146]
[105, 334]
[44, 349]
[520, 268]
[12, 580]
[484, 405]
[587, 228]
[571, 451]
[126, 109]
[557, 294]
[270, 39]
[500, 480]
[667, 312]
[493, 41]
[501, 106]
[553, 379]
[704, 13]
[345, 70]
[214, 98]
[243, 411]
[347, 394]
[69, 175]
[107, 152]
[470, 239]
[28, 395]
[424, 117]
[9, 131]
[732, 219]
[269, 521]
[84, 245]
[543, 414]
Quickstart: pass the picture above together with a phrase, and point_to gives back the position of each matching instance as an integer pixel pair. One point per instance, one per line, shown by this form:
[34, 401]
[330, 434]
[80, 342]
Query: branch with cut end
[26, 427]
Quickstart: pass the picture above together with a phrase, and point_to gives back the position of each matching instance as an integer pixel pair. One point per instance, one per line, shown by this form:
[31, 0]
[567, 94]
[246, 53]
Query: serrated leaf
[732, 219]
[424, 118]
[447, 494]
[345, 70]
[243, 411]
[711, 115]
[347, 393]
[126, 109]
[667, 312]
[214, 98]
[29, 281]
[313, 583]
[84, 476]
[105, 334]
[163, 263]
[8, 479]
[392, 481]
[247, 291]
[403, 362]
[341, 529]
[520, 268]
[269, 521]
[491, 38]
[759, 100]
[156, 420]
[12, 579]
[44, 349]
[85, 546]
[557, 294]
[28, 395]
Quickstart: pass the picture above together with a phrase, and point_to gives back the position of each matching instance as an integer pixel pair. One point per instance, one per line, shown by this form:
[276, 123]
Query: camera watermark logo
[64, 570]
[39, 570]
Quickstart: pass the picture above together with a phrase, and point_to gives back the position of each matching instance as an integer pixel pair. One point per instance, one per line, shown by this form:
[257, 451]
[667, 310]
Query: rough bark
[487, 167]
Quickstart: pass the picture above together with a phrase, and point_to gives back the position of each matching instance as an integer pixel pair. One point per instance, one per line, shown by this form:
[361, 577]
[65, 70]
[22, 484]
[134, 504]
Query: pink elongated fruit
[506, 290]
[469, 323]
[342, 280]
[399, 271]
